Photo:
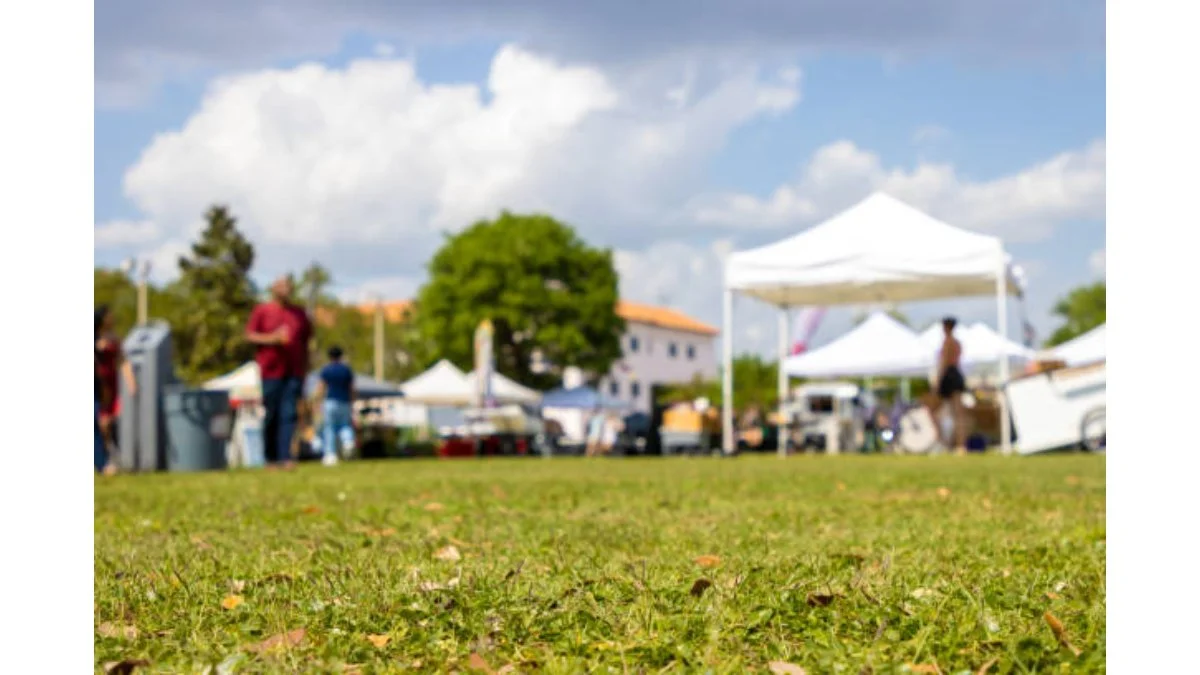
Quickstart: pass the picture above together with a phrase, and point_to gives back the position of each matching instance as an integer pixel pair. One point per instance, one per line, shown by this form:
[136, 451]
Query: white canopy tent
[879, 346]
[505, 390]
[442, 385]
[879, 250]
[445, 385]
[243, 383]
[980, 346]
[1087, 348]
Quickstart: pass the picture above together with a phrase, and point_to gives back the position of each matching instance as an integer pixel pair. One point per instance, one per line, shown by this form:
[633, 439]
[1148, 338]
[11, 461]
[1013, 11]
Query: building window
[633, 344]
[672, 350]
[614, 388]
[691, 352]
[635, 390]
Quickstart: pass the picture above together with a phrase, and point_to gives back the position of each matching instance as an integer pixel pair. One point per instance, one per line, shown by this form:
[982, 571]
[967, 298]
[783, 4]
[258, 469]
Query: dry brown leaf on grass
[477, 663]
[292, 638]
[820, 599]
[498, 492]
[380, 641]
[930, 668]
[434, 506]
[987, 666]
[125, 667]
[200, 543]
[699, 587]
[117, 630]
[943, 492]
[312, 510]
[448, 553]
[1060, 633]
[708, 560]
[1051, 595]
[785, 668]
[232, 601]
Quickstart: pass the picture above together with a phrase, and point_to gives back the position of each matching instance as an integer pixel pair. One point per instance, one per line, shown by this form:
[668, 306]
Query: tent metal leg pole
[784, 335]
[1002, 327]
[727, 442]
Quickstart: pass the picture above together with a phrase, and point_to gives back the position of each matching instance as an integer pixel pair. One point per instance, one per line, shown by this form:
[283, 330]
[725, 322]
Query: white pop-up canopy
[443, 384]
[980, 345]
[504, 390]
[879, 250]
[879, 346]
[243, 383]
[1087, 348]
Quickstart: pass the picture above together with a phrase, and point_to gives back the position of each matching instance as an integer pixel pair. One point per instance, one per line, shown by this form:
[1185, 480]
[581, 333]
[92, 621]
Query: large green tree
[1081, 310]
[540, 284]
[214, 287]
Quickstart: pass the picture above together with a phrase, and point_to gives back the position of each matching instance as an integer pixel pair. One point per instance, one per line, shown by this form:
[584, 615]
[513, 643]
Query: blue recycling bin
[198, 423]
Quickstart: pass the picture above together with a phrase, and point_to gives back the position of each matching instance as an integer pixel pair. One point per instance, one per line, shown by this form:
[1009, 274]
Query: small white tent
[1087, 348]
[505, 390]
[879, 250]
[442, 385]
[879, 346]
[243, 383]
[980, 345]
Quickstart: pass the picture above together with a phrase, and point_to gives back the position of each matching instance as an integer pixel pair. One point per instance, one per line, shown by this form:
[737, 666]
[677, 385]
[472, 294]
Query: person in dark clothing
[282, 332]
[336, 387]
[950, 386]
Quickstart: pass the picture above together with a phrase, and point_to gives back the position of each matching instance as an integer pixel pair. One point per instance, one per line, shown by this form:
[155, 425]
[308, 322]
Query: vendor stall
[879, 250]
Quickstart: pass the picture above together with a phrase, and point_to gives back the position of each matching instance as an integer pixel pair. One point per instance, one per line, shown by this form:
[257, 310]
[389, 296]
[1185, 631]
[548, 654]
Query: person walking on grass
[110, 365]
[950, 387]
[281, 331]
[335, 390]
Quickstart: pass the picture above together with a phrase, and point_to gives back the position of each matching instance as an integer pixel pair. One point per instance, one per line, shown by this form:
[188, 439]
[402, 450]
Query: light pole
[142, 282]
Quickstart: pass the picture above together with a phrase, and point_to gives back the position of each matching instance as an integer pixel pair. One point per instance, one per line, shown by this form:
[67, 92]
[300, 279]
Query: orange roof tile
[632, 312]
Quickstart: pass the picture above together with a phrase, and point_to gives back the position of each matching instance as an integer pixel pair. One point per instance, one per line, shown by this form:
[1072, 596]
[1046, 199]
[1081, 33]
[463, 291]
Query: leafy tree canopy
[1081, 310]
[541, 286]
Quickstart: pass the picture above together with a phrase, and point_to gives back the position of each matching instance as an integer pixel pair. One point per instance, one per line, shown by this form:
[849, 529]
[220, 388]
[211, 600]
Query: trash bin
[198, 422]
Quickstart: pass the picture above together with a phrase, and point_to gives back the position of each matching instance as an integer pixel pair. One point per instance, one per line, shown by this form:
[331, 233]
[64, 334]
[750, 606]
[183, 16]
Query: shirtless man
[950, 387]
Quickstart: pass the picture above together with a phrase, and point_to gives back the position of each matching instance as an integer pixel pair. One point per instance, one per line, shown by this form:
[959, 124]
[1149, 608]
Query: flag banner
[804, 327]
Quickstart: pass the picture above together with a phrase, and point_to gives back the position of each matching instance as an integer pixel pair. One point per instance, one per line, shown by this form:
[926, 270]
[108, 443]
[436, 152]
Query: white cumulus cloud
[1096, 262]
[369, 156]
[1023, 206]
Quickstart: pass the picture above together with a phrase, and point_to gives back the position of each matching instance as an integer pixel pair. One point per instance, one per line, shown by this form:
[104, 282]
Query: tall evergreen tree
[215, 288]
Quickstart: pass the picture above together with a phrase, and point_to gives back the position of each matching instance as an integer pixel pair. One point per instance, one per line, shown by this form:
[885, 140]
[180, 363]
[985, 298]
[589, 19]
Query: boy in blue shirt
[336, 387]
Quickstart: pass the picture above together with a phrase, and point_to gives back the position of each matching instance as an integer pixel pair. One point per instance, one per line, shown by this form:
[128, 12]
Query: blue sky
[629, 134]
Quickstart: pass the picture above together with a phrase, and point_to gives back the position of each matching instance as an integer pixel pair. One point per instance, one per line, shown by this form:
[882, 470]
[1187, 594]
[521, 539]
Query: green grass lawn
[833, 564]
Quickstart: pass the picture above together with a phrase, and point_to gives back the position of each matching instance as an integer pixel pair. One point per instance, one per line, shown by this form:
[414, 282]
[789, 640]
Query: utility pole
[143, 293]
[379, 338]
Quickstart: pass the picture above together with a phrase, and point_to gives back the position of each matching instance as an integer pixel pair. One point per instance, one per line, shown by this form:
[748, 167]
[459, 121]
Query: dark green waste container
[198, 424]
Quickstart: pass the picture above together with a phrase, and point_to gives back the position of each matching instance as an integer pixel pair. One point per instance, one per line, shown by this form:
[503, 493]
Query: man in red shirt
[281, 331]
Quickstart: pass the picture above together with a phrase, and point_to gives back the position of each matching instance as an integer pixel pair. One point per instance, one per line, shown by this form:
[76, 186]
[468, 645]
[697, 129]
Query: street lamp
[128, 266]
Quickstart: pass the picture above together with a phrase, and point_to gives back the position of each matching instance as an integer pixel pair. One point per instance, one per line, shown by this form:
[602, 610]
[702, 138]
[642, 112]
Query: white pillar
[784, 335]
[1002, 328]
[727, 442]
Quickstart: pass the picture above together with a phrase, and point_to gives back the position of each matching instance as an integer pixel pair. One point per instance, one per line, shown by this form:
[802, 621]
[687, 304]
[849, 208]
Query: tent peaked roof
[1087, 348]
[505, 390]
[880, 249]
[443, 384]
[880, 345]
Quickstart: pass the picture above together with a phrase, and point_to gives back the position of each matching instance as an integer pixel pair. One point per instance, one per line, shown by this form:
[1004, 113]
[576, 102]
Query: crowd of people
[282, 333]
